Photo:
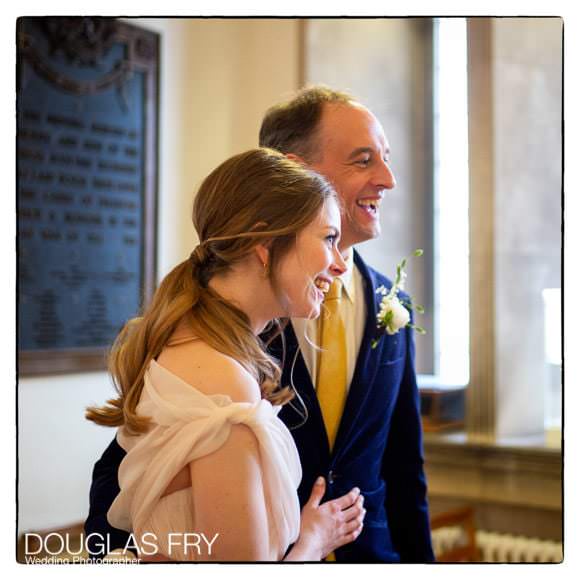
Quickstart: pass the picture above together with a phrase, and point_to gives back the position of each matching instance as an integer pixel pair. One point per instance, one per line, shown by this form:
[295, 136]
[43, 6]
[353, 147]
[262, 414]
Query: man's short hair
[292, 127]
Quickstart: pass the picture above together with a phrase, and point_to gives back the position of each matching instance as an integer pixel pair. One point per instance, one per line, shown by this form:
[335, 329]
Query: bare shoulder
[210, 371]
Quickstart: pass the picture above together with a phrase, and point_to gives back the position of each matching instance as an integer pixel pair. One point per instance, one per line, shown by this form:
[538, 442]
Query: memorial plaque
[87, 112]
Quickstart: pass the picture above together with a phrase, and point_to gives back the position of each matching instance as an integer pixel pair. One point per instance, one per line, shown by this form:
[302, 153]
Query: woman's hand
[323, 528]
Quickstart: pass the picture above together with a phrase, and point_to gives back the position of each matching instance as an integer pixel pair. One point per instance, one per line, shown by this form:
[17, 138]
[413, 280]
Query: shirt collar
[347, 278]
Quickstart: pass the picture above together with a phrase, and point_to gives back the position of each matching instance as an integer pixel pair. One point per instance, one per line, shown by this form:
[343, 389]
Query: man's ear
[296, 158]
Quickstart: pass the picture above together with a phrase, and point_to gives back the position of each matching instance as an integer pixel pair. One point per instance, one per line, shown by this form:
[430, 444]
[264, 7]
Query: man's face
[355, 158]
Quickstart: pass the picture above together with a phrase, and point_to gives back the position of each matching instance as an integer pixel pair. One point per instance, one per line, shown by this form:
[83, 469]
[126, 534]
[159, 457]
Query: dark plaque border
[142, 55]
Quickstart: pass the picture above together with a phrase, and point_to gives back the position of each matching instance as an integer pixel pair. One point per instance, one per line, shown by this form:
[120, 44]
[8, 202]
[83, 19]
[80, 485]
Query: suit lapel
[367, 361]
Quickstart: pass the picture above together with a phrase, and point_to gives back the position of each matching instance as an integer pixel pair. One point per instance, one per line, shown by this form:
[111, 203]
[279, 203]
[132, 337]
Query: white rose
[400, 315]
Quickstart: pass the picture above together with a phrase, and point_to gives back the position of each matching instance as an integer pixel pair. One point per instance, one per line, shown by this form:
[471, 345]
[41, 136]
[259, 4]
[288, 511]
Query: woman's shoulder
[210, 371]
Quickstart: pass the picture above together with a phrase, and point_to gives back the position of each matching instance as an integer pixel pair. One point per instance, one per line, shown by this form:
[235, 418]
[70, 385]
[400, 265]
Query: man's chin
[366, 234]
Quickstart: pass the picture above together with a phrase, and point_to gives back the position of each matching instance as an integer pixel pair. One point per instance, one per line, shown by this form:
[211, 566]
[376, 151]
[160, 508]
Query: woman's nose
[338, 265]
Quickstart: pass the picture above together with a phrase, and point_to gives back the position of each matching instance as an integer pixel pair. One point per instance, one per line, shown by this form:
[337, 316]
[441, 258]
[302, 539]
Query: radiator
[496, 547]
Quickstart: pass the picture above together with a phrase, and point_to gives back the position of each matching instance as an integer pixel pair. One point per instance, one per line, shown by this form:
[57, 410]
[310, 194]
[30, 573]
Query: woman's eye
[331, 239]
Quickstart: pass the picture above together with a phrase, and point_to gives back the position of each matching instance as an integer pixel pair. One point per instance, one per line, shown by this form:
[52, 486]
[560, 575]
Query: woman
[199, 395]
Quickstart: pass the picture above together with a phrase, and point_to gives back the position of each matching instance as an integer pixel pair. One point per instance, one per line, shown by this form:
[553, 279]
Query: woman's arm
[229, 500]
[227, 484]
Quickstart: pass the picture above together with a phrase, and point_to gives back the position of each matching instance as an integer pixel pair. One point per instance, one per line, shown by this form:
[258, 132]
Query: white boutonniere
[393, 313]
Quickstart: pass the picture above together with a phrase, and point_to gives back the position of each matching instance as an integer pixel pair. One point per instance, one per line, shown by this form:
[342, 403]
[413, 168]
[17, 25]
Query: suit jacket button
[331, 476]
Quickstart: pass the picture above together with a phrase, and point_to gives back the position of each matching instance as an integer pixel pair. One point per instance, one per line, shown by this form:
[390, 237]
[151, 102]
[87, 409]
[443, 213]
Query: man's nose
[384, 177]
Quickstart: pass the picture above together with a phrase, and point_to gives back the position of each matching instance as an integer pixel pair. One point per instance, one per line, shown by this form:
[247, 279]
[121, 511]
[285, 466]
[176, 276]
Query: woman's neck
[246, 287]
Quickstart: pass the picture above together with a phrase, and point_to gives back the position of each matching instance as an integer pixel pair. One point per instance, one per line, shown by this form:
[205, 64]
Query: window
[515, 157]
[450, 211]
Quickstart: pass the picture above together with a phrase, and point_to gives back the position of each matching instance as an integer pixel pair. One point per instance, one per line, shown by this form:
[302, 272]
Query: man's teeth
[372, 204]
[322, 285]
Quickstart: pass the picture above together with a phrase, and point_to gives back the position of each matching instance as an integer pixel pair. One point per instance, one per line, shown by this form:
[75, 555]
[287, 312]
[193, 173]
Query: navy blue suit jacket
[378, 446]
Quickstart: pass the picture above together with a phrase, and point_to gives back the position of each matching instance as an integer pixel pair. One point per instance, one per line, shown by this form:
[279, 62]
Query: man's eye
[364, 161]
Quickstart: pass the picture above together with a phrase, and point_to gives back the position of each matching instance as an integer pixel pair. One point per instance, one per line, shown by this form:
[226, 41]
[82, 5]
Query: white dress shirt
[353, 310]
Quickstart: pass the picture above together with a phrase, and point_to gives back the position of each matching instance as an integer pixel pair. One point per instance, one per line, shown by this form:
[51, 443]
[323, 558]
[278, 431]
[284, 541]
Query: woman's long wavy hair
[256, 196]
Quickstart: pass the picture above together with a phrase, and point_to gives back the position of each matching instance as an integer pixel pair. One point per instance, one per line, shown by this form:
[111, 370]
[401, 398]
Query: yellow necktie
[331, 381]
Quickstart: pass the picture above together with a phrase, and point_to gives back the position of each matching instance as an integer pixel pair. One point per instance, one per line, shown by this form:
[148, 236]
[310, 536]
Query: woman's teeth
[322, 285]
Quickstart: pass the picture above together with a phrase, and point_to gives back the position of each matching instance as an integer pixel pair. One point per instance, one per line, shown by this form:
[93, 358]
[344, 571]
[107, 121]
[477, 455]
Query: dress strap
[181, 340]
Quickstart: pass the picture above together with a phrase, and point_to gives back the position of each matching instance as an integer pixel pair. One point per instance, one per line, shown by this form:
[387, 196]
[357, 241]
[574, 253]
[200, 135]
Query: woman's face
[307, 270]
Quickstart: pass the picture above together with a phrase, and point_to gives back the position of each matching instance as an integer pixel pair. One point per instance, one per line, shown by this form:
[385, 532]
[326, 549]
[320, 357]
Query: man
[376, 441]
[363, 423]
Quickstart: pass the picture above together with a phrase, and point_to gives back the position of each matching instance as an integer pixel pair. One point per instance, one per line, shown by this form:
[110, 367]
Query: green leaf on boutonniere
[417, 329]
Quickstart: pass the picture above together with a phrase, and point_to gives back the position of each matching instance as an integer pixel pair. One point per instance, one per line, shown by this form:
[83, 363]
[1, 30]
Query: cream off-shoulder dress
[187, 425]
